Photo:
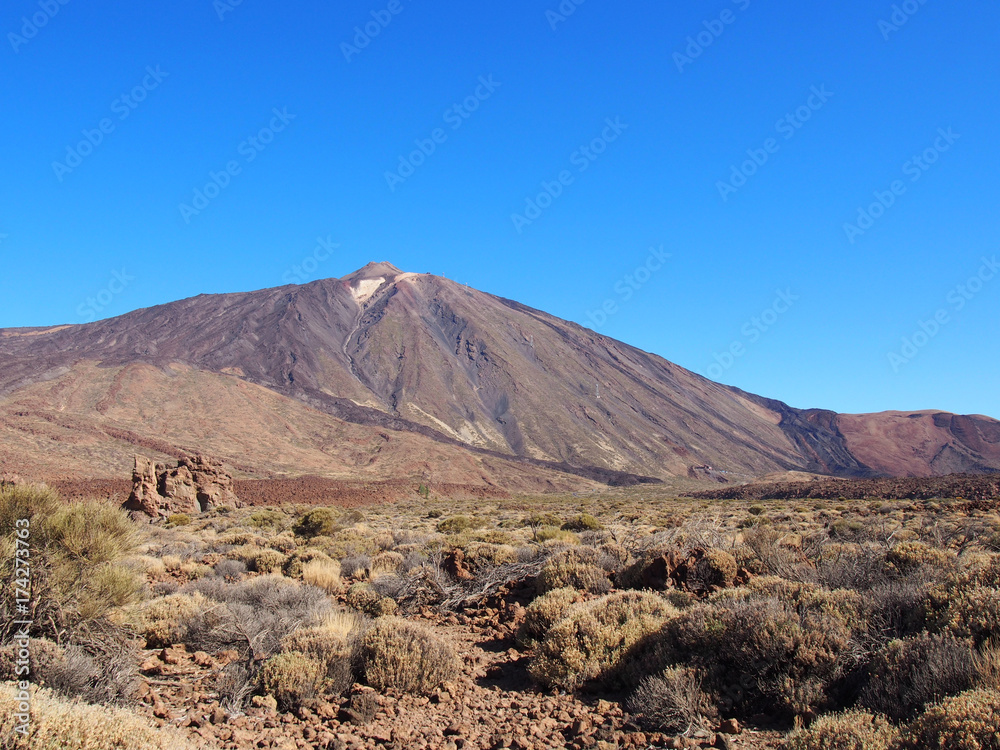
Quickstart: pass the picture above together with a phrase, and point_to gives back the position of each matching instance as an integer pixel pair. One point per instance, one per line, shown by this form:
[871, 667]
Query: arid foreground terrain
[615, 620]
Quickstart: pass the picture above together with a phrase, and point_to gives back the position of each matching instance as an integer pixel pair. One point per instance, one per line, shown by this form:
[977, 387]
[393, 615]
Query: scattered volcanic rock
[196, 484]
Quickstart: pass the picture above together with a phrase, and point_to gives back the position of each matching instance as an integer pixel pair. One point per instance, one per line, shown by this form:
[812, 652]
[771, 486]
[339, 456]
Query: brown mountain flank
[385, 375]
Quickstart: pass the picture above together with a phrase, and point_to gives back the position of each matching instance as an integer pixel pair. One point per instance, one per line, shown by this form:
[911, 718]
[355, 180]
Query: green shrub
[178, 519]
[317, 522]
[407, 656]
[672, 701]
[78, 553]
[544, 612]
[591, 640]
[555, 534]
[583, 522]
[850, 730]
[970, 721]
[267, 518]
[458, 524]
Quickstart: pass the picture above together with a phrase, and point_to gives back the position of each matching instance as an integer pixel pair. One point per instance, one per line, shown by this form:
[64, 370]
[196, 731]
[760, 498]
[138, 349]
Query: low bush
[403, 655]
[60, 724]
[969, 721]
[580, 576]
[583, 522]
[544, 612]
[296, 562]
[323, 574]
[907, 557]
[161, 621]
[906, 675]
[292, 678]
[365, 599]
[756, 655]
[458, 524]
[254, 615]
[850, 730]
[267, 518]
[590, 642]
[672, 701]
[178, 519]
[716, 570]
[317, 522]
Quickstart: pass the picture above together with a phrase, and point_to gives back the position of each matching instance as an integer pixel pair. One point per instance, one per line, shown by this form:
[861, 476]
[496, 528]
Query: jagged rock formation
[195, 485]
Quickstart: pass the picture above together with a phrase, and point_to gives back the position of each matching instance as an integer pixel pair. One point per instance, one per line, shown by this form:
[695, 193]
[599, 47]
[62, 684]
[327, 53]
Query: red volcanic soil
[967, 486]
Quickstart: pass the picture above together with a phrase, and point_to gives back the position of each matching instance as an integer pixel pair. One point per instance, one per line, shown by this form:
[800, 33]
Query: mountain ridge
[422, 356]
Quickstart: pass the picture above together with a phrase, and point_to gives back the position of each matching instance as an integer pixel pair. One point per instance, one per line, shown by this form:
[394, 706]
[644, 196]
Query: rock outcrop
[195, 485]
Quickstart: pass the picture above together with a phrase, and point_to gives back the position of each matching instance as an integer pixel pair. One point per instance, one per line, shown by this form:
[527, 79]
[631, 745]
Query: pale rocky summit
[195, 485]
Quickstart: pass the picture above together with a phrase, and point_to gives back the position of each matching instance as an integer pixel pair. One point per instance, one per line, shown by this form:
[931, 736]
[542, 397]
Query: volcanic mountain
[384, 374]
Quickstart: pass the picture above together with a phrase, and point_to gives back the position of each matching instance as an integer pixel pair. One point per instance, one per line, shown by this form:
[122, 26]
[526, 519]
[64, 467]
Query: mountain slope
[425, 359]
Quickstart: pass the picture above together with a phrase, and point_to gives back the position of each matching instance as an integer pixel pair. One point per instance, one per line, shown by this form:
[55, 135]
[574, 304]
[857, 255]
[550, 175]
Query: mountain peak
[383, 270]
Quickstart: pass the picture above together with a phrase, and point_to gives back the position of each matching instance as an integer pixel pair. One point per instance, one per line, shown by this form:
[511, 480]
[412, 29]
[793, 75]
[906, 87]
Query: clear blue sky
[66, 230]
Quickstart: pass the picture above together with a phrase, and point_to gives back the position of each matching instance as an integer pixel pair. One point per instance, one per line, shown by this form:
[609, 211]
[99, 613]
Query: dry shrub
[59, 724]
[362, 597]
[850, 730]
[297, 561]
[161, 621]
[101, 669]
[908, 557]
[583, 522]
[263, 560]
[317, 522]
[331, 644]
[906, 675]
[672, 701]
[759, 655]
[43, 654]
[849, 566]
[580, 576]
[972, 612]
[323, 574]
[544, 612]
[970, 721]
[483, 554]
[293, 677]
[716, 570]
[252, 616]
[385, 563]
[592, 639]
[407, 656]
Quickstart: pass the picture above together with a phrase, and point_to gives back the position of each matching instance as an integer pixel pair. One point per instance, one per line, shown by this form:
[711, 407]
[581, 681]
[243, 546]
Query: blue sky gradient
[747, 137]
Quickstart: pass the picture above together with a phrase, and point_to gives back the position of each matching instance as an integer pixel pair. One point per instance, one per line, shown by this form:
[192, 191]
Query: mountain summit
[384, 373]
